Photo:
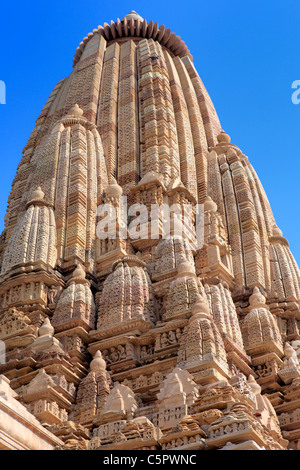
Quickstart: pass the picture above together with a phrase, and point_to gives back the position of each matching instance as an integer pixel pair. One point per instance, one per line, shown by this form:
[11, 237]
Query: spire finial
[134, 15]
[75, 111]
[257, 299]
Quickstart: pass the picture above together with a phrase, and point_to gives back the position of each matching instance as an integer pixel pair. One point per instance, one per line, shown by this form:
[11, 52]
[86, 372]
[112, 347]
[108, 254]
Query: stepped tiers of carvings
[151, 343]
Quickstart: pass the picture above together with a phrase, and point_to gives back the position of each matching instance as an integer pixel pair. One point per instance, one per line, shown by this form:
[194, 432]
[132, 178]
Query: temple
[151, 343]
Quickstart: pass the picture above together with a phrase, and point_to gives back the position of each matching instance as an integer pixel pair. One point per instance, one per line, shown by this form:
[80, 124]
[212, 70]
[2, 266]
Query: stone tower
[150, 343]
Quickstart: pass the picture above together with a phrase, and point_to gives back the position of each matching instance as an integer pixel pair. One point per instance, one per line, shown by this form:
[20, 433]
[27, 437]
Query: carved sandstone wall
[150, 343]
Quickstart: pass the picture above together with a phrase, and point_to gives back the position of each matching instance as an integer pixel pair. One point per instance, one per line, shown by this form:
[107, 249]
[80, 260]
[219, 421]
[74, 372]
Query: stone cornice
[137, 29]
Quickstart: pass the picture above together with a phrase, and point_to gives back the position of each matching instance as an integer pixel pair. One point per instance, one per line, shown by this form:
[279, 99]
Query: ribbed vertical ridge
[248, 225]
[77, 200]
[184, 132]
[214, 182]
[128, 125]
[102, 173]
[209, 116]
[32, 238]
[41, 251]
[262, 229]
[169, 156]
[147, 111]
[107, 117]
[86, 78]
[233, 226]
[91, 209]
[268, 214]
[62, 186]
[197, 128]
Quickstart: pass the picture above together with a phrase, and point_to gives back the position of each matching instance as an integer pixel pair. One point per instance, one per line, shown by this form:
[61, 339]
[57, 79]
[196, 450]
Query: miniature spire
[38, 194]
[200, 307]
[257, 299]
[255, 387]
[37, 198]
[46, 328]
[114, 189]
[75, 111]
[79, 272]
[223, 138]
[98, 363]
[210, 205]
[185, 267]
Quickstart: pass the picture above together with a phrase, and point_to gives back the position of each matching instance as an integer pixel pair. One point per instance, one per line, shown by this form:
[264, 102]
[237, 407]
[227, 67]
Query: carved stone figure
[52, 295]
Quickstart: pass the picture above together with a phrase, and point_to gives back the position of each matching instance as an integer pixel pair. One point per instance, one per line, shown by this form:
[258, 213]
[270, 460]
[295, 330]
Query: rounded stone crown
[37, 198]
[134, 15]
[98, 363]
[255, 387]
[75, 111]
[114, 189]
[78, 276]
[79, 272]
[38, 194]
[185, 267]
[200, 306]
[257, 298]
[46, 328]
[223, 138]
[210, 205]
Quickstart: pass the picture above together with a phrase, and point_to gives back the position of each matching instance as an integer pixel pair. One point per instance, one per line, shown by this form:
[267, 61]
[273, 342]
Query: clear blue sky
[246, 52]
